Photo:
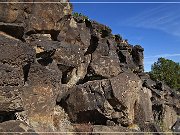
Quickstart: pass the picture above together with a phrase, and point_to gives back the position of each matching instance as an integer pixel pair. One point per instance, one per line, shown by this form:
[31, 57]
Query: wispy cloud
[163, 17]
[162, 55]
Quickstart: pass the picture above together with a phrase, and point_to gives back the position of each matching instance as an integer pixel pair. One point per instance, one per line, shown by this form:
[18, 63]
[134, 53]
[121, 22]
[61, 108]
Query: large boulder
[68, 56]
[126, 88]
[39, 97]
[169, 118]
[105, 66]
[12, 12]
[47, 16]
[36, 16]
[143, 110]
[100, 30]
[115, 99]
[116, 130]
[75, 33]
[10, 100]
[138, 57]
[15, 56]
[15, 52]
[84, 104]
[175, 127]
[16, 128]
[10, 76]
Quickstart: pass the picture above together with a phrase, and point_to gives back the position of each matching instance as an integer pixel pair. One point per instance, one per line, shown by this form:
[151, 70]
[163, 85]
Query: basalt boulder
[15, 52]
[36, 17]
[39, 97]
[16, 128]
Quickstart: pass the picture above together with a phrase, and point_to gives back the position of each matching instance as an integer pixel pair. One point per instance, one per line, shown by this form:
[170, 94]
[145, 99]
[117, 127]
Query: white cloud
[164, 17]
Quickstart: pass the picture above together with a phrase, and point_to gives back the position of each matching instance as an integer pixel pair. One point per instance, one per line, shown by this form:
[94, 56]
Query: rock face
[41, 17]
[16, 127]
[61, 73]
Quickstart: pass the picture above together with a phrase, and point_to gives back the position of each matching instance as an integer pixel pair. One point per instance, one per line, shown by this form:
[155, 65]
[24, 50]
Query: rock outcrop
[64, 73]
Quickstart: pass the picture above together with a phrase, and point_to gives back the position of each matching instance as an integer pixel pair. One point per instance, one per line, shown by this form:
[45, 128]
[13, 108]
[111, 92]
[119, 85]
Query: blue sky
[154, 26]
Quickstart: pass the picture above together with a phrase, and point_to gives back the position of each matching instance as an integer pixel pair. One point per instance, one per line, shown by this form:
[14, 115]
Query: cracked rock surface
[60, 73]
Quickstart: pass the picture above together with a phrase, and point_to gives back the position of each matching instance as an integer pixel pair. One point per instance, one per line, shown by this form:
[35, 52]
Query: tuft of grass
[75, 14]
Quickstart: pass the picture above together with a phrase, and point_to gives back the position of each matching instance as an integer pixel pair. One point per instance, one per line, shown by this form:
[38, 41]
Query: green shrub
[75, 14]
[118, 37]
[167, 71]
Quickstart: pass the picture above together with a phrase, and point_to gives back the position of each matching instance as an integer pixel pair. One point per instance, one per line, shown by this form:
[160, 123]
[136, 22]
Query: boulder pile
[67, 74]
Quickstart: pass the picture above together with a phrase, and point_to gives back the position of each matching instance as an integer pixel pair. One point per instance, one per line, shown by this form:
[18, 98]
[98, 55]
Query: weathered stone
[143, 109]
[75, 104]
[126, 56]
[82, 128]
[42, 42]
[169, 118]
[138, 57]
[61, 120]
[36, 16]
[12, 12]
[145, 102]
[92, 100]
[23, 54]
[105, 66]
[176, 126]
[16, 128]
[47, 16]
[87, 103]
[77, 34]
[103, 47]
[39, 75]
[56, 68]
[85, 35]
[78, 73]
[10, 99]
[126, 88]
[67, 55]
[116, 130]
[10, 76]
[39, 97]
[100, 29]
[11, 81]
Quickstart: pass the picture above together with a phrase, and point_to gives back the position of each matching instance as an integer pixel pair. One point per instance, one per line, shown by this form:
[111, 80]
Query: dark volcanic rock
[16, 128]
[14, 52]
[39, 95]
[138, 57]
[11, 13]
[15, 30]
[176, 126]
[103, 130]
[73, 33]
[105, 66]
[35, 16]
[69, 56]
[10, 100]
[82, 104]
[46, 17]
[126, 88]
[10, 76]
[61, 73]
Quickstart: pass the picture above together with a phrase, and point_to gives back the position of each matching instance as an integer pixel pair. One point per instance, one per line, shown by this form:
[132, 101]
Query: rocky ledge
[64, 73]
